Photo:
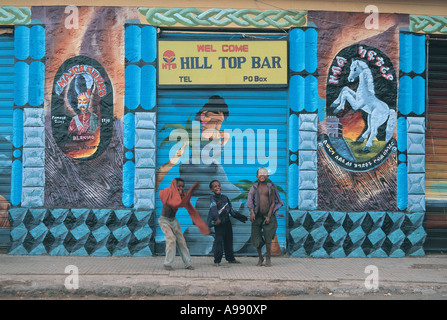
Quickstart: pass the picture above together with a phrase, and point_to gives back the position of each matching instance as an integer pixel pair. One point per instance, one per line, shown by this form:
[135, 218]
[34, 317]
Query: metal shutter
[252, 114]
[6, 109]
[436, 146]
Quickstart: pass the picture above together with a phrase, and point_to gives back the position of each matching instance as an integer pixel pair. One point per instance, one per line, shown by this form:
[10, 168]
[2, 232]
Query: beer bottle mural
[82, 108]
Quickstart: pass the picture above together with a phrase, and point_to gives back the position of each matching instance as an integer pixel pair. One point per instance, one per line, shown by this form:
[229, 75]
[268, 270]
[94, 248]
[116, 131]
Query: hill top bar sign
[226, 63]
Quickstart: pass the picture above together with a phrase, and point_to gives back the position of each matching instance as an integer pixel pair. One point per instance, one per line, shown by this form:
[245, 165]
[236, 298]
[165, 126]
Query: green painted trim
[428, 24]
[14, 15]
[192, 17]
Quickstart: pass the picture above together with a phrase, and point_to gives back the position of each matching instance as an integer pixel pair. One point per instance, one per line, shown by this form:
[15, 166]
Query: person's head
[262, 174]
[83, 100]
[180, 185]
[215, 186]
[215, 106]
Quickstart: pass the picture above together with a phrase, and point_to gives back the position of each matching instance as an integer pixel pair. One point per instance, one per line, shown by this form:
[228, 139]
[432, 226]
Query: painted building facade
[104, 105]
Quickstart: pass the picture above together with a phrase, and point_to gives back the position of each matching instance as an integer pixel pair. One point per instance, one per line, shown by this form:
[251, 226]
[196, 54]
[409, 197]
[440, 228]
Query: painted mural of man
[84, 122]
[211, 117]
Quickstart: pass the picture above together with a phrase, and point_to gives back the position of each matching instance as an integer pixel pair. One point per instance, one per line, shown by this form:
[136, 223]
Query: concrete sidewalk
[145, 278]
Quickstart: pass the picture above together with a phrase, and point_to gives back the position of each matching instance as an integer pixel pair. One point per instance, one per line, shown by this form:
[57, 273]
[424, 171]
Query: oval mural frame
[361, 91]
[82, 108]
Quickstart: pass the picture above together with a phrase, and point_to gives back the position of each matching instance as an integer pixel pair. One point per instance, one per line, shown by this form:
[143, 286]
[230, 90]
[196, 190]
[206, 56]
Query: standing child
[219, 217]
[263, 202]
[173, 198]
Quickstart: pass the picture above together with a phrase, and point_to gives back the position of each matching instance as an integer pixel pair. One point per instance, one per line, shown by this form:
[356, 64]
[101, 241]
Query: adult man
[84, 122]
[263, 202]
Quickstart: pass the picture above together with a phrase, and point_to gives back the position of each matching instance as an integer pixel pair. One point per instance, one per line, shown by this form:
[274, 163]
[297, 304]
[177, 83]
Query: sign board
[226, 63]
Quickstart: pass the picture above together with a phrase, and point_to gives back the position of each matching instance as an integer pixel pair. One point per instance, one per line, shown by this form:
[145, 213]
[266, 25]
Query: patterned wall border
[428, 24]
[82, 232]
[193, 17]
[14, 15]
[322, 234]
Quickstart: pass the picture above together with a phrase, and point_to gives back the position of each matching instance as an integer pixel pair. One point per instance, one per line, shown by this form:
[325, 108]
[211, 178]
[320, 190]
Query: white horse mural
[365, 99]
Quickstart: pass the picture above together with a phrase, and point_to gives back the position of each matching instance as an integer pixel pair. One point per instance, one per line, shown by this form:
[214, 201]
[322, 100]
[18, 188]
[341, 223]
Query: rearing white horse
[365, 99]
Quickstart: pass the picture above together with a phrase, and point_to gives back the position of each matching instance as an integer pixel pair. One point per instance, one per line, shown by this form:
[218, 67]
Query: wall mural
[204, 135]
[84, 146]
[357, 148]
[357, 158]
[82, 108]
[361, 94]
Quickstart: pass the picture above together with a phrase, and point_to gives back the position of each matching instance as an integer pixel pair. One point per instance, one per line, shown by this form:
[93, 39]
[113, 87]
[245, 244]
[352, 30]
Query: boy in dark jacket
[219, 218]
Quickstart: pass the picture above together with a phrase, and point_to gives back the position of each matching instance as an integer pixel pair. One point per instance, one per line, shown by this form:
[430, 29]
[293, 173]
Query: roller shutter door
[436, 146]
[6, 109]
[257, 126]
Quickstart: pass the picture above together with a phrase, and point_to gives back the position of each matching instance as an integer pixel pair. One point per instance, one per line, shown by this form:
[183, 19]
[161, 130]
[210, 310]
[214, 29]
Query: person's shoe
[217, 264]
[189, 268]
[169, 268]
[234, 261]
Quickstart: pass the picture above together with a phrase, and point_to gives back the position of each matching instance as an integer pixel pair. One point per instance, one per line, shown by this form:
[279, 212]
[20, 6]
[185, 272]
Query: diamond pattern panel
[355, 234]
[86, 232]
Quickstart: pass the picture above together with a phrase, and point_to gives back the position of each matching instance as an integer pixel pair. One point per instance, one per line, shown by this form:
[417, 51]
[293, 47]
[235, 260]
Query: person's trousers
[174, 240]
[262, 233]
[223, 242]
